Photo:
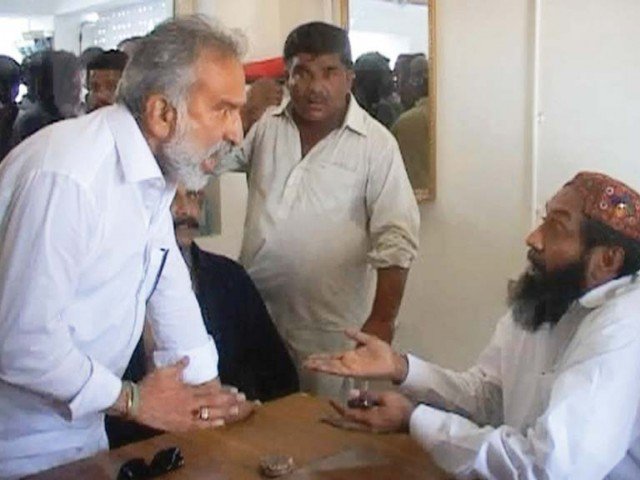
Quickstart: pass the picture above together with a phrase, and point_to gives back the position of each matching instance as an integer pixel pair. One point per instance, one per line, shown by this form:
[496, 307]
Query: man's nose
[316, 84]
[233, 132]
[534, 239]
[178, 208]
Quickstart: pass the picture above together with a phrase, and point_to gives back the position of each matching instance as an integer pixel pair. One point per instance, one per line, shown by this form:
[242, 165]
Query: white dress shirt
[560, 403]
[318, 226]
[86, 250]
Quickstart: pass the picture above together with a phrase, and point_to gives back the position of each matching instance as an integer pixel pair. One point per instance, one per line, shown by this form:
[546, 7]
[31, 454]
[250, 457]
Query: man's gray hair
[164, 59]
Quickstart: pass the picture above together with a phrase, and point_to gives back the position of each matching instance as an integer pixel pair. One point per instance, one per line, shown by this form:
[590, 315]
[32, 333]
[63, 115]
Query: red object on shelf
[271, 67]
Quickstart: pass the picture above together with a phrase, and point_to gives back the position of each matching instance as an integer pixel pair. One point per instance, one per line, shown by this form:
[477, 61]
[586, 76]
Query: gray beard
[181, 160]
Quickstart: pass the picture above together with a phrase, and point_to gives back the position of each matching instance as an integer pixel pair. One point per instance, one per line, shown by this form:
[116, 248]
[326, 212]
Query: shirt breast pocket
[157, 258]
[335, 186]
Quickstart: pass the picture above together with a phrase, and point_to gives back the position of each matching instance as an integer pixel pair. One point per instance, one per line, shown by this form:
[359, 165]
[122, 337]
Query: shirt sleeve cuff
[426, 424]
[417, 374]
[99, 392]
[203, 362]
[387, 259]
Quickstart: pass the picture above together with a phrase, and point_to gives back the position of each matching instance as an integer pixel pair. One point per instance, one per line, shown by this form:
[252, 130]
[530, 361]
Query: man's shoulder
[414, 114]
[73, 147]
[621, 302]
[266, 126]
[374, 132]
[616, 318]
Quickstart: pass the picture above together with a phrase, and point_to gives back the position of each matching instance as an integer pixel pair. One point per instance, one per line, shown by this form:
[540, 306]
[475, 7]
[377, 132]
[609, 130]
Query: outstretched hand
[372, 358]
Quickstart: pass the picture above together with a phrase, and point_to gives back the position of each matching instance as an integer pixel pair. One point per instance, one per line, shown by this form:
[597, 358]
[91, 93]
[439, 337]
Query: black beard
[540, 297]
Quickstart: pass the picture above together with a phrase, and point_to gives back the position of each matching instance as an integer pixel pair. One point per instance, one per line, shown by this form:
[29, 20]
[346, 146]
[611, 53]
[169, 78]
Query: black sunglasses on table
[164, 461]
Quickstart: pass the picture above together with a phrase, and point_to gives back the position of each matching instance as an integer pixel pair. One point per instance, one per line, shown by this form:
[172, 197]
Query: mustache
[221, 149]
[186, 222]
[535, 261]
[315, 98]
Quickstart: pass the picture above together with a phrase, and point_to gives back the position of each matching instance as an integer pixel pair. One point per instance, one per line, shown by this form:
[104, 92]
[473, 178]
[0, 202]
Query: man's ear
[613, 259]
[351, 75]
[160, 118]
[604, 264]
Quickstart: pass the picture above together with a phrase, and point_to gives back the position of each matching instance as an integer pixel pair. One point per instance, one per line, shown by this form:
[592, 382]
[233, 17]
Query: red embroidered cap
[609, 201]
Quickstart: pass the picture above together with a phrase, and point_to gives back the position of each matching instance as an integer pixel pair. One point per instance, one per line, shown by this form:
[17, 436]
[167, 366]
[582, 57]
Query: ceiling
[415, 2]
[29, 8]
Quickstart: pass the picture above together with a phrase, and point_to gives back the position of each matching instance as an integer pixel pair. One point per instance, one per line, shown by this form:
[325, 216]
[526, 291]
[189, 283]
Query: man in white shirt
[87, 250]
[556, 394]
[330, 208]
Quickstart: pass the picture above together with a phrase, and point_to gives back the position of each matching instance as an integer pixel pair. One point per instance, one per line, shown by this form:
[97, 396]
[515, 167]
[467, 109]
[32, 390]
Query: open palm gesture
[372, 358]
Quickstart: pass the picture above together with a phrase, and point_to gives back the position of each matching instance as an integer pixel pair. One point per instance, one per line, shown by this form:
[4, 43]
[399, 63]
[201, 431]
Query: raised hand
[263, 93]
[391, 412]
[372, 358]
[167, 403]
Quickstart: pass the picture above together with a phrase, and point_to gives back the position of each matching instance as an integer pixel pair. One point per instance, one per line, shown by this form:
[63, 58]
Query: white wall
[371, 30]
[13, 27]
[266, 23]
[258, 19]
[28, 7]
[72, 15]
[293, 13]
[589, 77]
[54, 7]
[472, 235]
[590, 90]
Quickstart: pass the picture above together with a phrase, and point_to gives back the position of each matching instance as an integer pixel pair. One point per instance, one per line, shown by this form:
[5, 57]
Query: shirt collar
[281, 109]
[354, 119]
[598, 296]
[137, 160]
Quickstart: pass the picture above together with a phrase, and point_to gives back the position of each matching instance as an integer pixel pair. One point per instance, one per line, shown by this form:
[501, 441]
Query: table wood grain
[288, 426]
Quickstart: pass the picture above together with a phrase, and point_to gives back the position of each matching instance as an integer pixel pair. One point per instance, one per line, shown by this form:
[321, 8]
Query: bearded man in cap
[556, 394]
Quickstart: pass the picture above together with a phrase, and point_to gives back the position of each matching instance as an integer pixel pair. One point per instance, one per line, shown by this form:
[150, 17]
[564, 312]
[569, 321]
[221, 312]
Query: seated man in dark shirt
[252, 356]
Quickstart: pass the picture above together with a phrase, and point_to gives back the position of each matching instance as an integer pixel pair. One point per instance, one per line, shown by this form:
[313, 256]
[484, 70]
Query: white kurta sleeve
[47, 232]
[394, 219]
[475, 394]
[175, 318]
[584, 432]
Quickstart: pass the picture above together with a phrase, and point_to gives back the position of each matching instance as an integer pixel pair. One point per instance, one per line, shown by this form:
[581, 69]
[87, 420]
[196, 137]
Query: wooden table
[288, 426]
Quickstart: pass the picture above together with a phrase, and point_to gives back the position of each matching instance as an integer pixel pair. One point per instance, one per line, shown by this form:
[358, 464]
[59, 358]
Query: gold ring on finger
[205, 413]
